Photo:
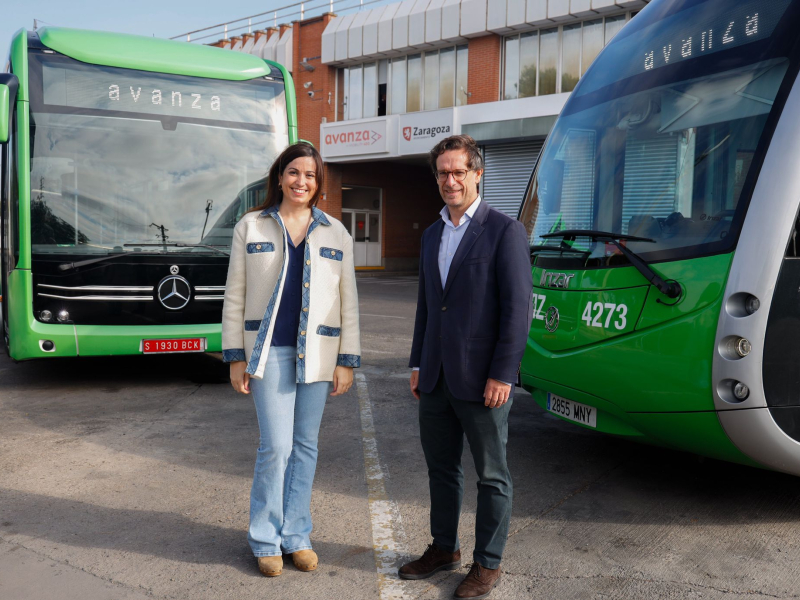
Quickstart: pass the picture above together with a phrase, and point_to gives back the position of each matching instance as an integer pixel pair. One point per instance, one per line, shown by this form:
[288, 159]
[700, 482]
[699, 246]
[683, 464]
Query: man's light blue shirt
[452, 236]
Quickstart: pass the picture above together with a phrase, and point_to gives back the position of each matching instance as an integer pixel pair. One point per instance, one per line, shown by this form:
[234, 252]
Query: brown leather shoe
[271, 566]
[434, 559]
[305, 560]
[478, 583]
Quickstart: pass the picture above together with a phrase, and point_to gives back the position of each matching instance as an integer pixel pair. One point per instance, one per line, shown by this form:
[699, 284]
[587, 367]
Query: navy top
[288, 320]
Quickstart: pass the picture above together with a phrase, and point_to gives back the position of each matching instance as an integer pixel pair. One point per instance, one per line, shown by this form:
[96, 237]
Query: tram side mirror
[5, 110]
[551, 182]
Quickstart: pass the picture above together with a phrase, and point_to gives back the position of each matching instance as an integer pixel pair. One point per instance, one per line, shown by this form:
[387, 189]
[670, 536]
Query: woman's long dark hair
[298, 150]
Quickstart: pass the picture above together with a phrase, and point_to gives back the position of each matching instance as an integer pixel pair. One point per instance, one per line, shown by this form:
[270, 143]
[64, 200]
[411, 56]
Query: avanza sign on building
[349, 139]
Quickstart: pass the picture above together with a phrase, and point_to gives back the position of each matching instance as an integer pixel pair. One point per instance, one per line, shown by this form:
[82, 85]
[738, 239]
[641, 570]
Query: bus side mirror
[5, 110]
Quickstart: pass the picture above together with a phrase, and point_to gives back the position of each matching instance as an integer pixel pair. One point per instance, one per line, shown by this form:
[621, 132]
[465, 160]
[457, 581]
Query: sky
[159, 18]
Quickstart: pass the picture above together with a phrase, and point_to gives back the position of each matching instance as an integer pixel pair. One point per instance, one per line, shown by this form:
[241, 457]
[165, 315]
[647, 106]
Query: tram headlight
[46, 315]
[752, 304]
[741, 391]
[63, 316]
[743, 347]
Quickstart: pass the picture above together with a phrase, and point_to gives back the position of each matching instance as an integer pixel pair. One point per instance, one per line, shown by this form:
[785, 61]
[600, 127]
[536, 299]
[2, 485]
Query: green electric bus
[663, 220]
[126, 162]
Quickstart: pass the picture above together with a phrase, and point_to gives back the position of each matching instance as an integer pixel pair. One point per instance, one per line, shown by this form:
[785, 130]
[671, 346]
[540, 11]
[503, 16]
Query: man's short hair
[458, 142]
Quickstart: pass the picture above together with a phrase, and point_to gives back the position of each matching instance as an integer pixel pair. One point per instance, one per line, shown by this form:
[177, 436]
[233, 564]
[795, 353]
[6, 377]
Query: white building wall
[370, 42]
[269, 48]
[283, 50]
[329, 40]
[515, 13]
[451, 20]
[404, 26]
[473, 18]
[416, 24]
[400, 25]
[342, 35]
[433, 21]
[355, 35]
[385, 28]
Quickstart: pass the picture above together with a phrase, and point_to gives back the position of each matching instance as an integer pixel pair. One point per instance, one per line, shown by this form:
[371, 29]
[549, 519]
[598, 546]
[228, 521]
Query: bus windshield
[130, 161]
[663, 137]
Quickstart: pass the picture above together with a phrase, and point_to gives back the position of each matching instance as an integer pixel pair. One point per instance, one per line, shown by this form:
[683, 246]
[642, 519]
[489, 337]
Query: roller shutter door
[508, 169]
[651, 175]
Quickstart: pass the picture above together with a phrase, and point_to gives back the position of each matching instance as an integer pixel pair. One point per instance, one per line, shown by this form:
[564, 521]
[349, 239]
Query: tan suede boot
[271, 566]
[305, 560]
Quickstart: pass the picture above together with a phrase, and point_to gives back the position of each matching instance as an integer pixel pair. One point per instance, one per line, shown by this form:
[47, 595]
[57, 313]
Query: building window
[528, 63]
[397, 86]
[447, 77]
[551, 61]
[613, 25]
[511, 90]
[431, 80]
[355, 93]
[371, 89]
[436, 79]
[593, 42]
[414, 100]
[548, 61]
[383, 86]
[462, 74]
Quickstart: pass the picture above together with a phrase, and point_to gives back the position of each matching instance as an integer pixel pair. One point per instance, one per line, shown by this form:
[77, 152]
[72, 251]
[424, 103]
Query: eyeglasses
[459, 175]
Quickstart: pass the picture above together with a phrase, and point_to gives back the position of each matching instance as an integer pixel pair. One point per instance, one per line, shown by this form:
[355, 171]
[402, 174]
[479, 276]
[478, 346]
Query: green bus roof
[152, 54]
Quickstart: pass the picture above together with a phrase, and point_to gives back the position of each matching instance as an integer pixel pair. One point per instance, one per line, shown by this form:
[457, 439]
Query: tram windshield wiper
[671, 289]
[91, 261]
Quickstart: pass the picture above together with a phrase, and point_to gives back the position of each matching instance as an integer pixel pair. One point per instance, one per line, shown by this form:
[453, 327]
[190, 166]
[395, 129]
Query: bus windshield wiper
[671, 289]
[179, 245]
[91, 261]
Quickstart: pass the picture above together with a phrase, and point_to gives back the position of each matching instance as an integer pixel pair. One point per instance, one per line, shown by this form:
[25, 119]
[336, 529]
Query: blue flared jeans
[289, 416]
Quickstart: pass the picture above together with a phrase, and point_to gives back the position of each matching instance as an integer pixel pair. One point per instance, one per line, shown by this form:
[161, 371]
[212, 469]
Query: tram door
[361, 214]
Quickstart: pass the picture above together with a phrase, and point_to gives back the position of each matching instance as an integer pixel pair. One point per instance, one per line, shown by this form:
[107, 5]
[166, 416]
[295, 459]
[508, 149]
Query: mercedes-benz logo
[551, 319]
[174, 292]
[174, 269]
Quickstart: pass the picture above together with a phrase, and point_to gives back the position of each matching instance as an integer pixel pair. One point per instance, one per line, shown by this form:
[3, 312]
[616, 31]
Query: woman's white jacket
[329, 332]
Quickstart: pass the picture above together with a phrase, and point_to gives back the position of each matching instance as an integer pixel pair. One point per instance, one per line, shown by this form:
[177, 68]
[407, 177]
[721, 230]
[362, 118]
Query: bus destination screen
[699, 28]
[121, 90]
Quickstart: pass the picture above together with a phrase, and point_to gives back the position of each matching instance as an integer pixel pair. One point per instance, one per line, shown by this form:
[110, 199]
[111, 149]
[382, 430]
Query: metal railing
[272, 18]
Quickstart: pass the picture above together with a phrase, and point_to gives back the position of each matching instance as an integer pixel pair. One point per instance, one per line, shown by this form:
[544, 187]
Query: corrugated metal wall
[508, 169]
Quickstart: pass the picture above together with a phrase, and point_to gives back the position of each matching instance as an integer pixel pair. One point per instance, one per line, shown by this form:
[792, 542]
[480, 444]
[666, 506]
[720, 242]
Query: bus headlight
[63, 316]
[743, 347]
[46, 315]
[741, 391]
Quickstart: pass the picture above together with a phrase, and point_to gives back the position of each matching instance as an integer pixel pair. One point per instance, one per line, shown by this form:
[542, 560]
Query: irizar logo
[556, 280]
[551, 319]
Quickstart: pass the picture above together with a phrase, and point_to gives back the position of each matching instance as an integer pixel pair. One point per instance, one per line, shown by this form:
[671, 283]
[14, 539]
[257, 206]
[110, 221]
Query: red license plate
[178, 345]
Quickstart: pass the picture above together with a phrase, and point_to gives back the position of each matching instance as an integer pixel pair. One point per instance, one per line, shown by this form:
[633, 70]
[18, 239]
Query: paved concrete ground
[129, 479]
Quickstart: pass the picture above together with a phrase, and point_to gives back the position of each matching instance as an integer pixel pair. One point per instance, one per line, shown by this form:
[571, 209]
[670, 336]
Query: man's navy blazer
[477, 326]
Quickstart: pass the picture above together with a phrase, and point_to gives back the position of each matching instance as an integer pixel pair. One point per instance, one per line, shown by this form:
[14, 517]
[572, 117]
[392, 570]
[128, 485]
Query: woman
[289, 330]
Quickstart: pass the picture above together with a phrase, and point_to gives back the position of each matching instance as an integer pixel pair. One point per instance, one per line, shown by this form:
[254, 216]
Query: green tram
[663, 220]
[126, 162]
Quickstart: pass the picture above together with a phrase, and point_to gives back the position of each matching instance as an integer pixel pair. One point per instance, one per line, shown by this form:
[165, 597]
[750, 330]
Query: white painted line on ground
[385, 516]
[382, 316]
[379, 352]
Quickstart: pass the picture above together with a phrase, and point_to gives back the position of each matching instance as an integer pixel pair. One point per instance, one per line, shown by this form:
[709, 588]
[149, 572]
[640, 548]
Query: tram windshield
[131, 161]
[663, 137]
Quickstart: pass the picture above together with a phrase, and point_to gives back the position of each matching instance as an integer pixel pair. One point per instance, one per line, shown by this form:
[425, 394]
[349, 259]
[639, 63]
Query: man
[473, 315]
